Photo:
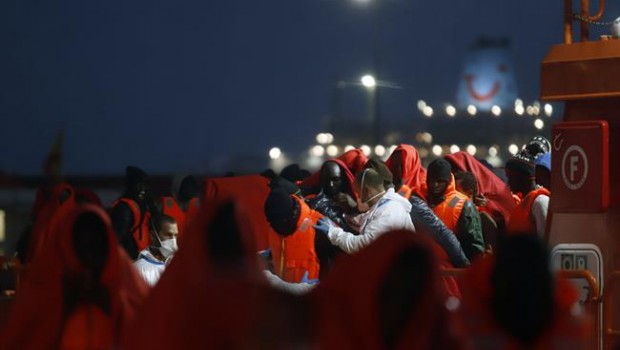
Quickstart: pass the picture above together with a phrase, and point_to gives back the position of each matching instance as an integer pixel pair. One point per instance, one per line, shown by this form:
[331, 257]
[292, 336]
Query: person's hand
[481, 200]
[323, 226]
[304, 279]
[345, 201]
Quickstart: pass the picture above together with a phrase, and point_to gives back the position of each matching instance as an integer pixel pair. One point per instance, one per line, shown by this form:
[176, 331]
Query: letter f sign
[573, 167]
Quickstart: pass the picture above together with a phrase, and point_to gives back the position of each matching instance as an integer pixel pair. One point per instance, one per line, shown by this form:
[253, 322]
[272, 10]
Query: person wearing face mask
[183, 202]
[131, 214]
[456, 211]
[381, 211]
[152, 261]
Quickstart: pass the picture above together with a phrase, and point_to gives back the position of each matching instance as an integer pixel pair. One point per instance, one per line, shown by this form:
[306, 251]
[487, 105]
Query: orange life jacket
[405, 191]
[172, 208]
[449, 211]
[521, 220]
[295, 254]
[141, 223]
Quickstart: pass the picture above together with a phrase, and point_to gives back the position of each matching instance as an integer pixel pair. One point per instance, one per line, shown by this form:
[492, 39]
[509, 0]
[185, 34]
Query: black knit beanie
[292, 172]
[439, 169]
[133, 176]
[522, 163]
[281, 211]
[286, 185]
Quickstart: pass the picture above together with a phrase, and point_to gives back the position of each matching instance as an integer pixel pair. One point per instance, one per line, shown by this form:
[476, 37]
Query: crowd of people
[361, 254]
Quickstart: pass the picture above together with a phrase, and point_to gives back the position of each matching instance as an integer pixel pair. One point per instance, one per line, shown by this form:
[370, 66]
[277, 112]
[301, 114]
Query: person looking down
[152, 261]
[381, 211]
[456, 211]
[531, 213]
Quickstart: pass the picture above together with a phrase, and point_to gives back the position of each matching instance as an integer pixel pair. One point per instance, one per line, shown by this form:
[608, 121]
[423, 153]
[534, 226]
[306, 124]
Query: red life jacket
[172, 208]
[295, 254]
[140, 227]
[521, 220]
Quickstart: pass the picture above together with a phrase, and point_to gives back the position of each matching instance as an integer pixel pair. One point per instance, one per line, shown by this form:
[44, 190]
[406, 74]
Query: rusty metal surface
[581, 70]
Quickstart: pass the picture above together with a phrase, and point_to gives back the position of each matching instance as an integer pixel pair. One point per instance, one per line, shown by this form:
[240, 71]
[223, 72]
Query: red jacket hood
[36, 319]
[414, 174]
[492, 187]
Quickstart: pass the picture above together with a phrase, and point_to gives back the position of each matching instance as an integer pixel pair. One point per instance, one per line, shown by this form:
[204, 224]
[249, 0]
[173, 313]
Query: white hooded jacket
[390, 213]
[149, 267]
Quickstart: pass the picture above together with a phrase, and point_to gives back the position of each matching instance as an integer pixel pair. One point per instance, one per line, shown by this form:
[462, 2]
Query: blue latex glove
[304, 279]
[323, 225]
[265, 253]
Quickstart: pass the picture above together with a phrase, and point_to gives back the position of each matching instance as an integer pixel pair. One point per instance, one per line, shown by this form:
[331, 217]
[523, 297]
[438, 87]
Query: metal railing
[584, 17]
[609, 333]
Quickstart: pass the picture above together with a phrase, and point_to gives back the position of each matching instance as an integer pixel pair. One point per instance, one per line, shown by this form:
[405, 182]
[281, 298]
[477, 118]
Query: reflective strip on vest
[449, 211]
[455, 200]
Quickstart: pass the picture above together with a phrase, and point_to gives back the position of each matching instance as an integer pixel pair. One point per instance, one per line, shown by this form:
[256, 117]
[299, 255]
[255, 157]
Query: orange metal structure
[585, 75]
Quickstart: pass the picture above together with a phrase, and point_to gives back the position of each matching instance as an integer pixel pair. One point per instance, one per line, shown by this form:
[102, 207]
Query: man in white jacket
[381, 210]
[152, 261]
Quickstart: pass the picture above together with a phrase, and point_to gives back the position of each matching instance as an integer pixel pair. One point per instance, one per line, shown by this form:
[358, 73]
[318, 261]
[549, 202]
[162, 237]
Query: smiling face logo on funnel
[488, 76]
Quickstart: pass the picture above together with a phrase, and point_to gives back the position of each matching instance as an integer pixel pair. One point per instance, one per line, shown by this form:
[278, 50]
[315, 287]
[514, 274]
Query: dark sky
[180, 85]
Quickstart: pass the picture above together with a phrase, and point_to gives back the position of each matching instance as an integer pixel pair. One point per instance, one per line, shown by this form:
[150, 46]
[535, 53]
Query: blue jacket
[425, 220]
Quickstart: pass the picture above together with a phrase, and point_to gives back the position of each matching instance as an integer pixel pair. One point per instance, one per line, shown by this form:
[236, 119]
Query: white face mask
[362, 206]
[168, 247]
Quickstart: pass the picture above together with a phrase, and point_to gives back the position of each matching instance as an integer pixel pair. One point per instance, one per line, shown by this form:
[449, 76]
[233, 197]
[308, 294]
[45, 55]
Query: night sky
[182, 85]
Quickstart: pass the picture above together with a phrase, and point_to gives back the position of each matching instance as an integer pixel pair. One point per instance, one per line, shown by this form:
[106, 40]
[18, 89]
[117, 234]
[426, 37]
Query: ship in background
[485, 117]
[488, 77]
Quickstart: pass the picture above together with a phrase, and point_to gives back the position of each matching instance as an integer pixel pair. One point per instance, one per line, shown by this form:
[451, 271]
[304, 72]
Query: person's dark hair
[160, 220]
[525, 313]
[399, 296]
[292, 172]
[371, 178]
[439, 169]
[189, 188]
[468, 181]
[133, 177]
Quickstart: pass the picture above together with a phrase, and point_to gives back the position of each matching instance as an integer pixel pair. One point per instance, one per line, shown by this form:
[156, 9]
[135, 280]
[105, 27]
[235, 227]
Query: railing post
[568, 21]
